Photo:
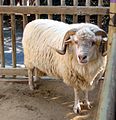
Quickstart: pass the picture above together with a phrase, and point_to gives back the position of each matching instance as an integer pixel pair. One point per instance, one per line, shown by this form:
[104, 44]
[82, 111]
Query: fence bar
[62, 15]
[87, 17]
[49, 4]
[75, 16]
[2, 59]
[107, 104]
[1, 2]
[99, 19]
[14, 71]
[37, 3]
[25, 20]
[80, 10]
[13, 32]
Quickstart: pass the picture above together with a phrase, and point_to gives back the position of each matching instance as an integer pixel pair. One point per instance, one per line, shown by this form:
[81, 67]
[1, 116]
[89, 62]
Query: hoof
[32, 87]
[77, 109]
[87, 104]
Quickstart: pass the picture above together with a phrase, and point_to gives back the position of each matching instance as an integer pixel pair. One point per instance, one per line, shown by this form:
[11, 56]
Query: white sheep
[74, 53]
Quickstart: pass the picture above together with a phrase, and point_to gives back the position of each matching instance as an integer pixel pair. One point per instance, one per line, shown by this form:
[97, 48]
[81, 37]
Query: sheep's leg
[37, 79]
[36, 75]
[77, 107]
[87, 102]
[30, 78]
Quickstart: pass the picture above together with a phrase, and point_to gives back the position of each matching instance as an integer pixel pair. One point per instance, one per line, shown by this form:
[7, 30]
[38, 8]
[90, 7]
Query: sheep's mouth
[84, 62]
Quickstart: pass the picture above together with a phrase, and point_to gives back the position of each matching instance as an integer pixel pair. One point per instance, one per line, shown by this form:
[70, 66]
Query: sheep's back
[38, 38]
[44, 31]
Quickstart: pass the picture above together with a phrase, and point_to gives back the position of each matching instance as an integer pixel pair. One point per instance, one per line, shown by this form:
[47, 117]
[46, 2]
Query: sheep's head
[86, 43]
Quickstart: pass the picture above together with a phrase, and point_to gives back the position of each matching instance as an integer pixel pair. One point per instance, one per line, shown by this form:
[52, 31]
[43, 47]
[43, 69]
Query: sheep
[75, 53]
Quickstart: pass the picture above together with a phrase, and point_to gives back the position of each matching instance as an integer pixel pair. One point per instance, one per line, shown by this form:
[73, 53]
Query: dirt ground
[52, 100]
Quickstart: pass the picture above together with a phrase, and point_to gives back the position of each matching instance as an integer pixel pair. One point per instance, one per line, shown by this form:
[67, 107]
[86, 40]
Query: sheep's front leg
[30, 79]
[77, 107]
[86, 102]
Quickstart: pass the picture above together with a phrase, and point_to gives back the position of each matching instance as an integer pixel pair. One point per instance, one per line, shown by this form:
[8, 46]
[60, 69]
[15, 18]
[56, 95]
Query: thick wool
[38, 38]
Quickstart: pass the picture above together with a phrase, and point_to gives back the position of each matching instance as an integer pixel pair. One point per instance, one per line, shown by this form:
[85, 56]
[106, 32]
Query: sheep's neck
[88, 71]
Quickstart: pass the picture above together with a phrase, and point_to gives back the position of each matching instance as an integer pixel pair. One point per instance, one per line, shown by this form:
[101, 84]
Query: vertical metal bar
[75, 16]
[63, 16]
[49, 4]
[37, 3]
[2, 58]
[87, 17]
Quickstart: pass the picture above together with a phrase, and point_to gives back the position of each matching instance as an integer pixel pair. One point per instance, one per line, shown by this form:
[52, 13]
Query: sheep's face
[85, 47]
[85, 51]
[87, 44]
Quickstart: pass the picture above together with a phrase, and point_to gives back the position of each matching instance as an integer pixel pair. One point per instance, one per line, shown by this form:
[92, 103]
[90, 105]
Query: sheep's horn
[65, 42]
[101, 32]
[103, 43]
[61, 52]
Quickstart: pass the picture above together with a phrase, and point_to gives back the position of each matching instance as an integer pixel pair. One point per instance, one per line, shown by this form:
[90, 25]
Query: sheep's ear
[68, 36]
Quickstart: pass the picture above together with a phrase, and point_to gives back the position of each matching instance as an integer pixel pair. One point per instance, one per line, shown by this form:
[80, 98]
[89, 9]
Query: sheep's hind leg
[36, 75]
[37, 79]
[77, 107]
[30, 79]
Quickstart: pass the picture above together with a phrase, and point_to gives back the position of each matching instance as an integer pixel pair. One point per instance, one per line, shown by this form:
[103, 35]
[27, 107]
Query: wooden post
[25, 20]
[87, 17]
[2, 59]
[49, 4]
[112, 22]
[75, 16]
[63, 16]
[37, 2]
[13, 35]
[106, 109]
[99, 19]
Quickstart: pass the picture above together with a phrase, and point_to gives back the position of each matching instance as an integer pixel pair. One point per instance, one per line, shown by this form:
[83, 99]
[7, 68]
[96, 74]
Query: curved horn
[103, 44]
[66, 37]
[101, 32]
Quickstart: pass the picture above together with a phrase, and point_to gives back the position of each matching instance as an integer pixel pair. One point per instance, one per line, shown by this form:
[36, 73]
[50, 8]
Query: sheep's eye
[93, 43]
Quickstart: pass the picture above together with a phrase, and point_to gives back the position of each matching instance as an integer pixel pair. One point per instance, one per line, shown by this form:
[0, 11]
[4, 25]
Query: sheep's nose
[82, 57]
